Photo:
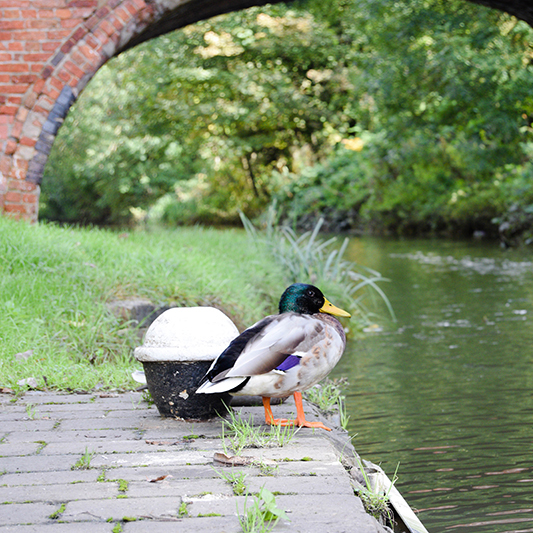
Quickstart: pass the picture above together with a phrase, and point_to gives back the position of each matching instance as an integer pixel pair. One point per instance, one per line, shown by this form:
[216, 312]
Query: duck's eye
[311, 293]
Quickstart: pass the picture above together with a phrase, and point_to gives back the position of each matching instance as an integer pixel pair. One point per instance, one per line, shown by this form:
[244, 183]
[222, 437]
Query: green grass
[55, 283]
[320, 261]
[376, 501]
[239, 433]
[328, 396]
[262, 515]
[236, 480]
[84, 462]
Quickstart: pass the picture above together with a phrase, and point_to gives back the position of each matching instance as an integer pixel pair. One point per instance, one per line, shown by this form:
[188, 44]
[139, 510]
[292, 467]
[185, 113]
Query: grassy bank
[55, 284]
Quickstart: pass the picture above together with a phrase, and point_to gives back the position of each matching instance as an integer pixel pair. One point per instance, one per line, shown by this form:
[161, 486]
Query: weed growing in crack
[262, 515]
[56, 514]
[84, 462]
[243, 434]
[236, 480]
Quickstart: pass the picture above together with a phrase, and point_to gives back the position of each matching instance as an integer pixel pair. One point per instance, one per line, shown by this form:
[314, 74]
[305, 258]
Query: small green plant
[56, 514]
[236, 480]
[266, 469]
[263, 515]
[42, 445]
[123, 487]
[326, 395]
[375, 501]
[243, 434]
[117, 528]
[84, 462]
[182, 510]
[30, 411]
[343, 413]
[147, 397]
[101, 477]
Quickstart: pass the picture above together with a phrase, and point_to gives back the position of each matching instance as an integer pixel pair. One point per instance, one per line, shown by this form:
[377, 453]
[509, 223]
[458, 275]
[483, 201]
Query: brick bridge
[50, 49]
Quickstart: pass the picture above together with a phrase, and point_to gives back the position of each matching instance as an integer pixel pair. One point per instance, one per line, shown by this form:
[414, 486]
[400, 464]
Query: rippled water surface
[447, 390]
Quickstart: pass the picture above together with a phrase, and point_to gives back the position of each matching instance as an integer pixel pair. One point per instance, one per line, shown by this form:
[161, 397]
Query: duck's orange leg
[300, 415]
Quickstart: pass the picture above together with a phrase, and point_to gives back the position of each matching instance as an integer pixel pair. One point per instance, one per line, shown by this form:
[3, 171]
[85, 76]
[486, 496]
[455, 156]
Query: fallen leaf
[160, 478]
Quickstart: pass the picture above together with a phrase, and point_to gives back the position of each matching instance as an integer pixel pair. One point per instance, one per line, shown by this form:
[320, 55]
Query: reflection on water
[447, 390]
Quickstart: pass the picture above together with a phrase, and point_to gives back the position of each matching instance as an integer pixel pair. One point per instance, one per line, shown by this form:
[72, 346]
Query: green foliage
[309, 257]
[55, 284]
[311, 104]
[242, 433]
[203, 114]
[263, 515]
[444, 122]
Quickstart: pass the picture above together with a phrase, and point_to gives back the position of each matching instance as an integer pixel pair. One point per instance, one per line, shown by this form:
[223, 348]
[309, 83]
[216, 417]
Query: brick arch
[49, 50]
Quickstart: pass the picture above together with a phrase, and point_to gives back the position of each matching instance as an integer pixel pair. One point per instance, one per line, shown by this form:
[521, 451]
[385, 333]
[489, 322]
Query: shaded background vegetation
[405, 117]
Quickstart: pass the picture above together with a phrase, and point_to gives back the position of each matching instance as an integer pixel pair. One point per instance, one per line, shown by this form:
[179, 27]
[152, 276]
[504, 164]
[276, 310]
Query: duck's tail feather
[225, 385]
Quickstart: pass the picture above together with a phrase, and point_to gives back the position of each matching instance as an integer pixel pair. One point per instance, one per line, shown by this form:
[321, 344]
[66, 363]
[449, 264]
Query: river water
[446, 391]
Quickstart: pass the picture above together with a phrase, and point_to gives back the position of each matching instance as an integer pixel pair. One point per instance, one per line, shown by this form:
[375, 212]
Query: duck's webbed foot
[300, 415]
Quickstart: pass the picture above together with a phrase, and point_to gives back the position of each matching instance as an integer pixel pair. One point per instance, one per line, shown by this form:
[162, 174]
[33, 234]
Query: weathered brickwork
[49, 50]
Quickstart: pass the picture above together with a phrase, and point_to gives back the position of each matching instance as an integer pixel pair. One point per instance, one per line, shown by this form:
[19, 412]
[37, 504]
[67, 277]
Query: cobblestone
[143, 472]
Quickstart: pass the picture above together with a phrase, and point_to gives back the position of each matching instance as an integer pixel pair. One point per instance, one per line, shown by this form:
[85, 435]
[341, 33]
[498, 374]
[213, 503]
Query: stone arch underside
[50, 49]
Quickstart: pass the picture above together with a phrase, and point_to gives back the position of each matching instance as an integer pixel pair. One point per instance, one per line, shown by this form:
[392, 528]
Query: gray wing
[287, 335]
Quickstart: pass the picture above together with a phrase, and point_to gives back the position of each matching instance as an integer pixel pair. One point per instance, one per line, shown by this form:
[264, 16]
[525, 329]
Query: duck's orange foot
[300, 415]
[299, 423]
[319, 425]
[281, 422]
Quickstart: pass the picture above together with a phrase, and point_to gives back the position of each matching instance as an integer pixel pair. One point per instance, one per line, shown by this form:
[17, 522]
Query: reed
[311, 258]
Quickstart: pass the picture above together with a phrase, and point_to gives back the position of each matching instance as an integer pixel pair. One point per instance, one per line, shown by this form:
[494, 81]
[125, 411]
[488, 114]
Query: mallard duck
[282, 354]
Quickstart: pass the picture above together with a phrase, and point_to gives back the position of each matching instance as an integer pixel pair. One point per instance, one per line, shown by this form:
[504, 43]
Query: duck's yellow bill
[331, 309]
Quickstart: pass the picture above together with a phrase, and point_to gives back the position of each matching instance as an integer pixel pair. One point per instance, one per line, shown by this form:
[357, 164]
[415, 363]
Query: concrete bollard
[178, 349]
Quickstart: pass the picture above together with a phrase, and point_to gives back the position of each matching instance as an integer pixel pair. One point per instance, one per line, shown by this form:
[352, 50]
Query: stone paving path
[146, 472]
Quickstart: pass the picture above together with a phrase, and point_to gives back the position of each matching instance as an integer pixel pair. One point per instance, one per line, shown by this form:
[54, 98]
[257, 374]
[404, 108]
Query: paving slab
[59, 527]
[142, 471]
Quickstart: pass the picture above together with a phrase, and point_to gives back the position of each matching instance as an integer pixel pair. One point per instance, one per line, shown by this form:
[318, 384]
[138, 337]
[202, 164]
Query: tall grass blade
[309, 258]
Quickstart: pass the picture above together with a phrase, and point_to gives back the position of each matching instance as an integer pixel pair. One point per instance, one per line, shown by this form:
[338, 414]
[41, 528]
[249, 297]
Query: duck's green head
[307, 300]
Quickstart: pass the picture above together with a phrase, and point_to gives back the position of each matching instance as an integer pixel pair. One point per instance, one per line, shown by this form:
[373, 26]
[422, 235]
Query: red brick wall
[49, 50]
